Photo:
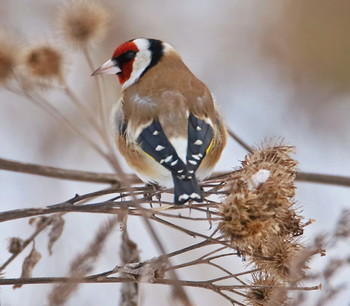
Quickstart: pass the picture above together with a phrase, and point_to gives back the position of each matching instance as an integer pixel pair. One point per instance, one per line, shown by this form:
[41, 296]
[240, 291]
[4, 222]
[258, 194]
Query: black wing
[155, 143]
[200, 136]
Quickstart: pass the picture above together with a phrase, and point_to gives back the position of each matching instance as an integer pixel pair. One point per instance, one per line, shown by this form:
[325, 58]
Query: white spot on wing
[160, 148]
[184, 196]
[195, 196]
[169, 158]
[198, 142]
[196, 156]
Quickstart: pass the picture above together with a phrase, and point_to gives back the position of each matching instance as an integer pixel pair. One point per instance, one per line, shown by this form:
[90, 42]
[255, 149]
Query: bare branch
[60, 173]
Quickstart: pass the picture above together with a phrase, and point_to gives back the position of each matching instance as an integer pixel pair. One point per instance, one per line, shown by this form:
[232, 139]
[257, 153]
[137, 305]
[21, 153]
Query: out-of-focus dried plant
[57, 226]
[10, 48]
[44, 61]
[129, 253]
[82, 22]
[15, 245]
[81, 265]
[28, 264]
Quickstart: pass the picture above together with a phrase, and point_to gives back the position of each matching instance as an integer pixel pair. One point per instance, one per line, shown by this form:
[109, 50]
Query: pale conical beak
[109, 67]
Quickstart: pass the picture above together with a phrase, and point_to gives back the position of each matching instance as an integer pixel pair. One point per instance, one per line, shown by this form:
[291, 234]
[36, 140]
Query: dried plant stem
[101, 107]
[45, 105]
[323, 179]
[82, 264]
[54, 172]
[87, 112]
[111, 178]
[44, 224]
[92, 119]
[98, 279]
[239, 140]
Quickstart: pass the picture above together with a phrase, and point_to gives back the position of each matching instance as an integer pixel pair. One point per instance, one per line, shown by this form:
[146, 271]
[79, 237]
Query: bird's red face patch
[125, 66]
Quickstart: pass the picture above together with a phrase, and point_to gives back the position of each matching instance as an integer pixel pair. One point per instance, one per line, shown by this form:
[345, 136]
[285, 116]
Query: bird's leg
[155, 191]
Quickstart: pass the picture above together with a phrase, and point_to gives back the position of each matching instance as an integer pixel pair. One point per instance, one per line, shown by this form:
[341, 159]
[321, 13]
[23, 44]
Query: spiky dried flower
[276, 256]
[44, 61]
[9, 50]
[260, 200]
[82, 22]
[263, 293]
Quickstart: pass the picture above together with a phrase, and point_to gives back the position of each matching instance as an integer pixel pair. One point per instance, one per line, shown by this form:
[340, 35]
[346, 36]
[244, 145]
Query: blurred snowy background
[277, 68]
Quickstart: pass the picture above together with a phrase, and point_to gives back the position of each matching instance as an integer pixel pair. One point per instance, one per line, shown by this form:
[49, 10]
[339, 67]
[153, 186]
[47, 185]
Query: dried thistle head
[260, 201]
[276, 256]
[82, 22]
[244, 222]
[44, 61]
[265, 290]
[9, 50]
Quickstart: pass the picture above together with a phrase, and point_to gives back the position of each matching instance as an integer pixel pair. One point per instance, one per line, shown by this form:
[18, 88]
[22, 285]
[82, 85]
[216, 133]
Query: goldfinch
[166, 123]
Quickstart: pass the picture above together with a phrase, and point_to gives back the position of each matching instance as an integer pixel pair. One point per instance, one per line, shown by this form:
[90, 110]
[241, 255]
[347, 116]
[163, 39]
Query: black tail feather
[186, 189]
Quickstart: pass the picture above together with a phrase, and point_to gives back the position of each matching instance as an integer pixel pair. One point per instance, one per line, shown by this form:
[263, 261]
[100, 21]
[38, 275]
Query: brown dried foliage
[28, 264]
[81, 265]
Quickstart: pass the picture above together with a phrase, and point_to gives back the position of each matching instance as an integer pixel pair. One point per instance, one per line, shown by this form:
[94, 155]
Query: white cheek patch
[141, 62]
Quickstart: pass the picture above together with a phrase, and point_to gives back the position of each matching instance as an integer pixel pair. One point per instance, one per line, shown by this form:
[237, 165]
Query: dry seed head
[44, 61]
[9, 50]
[260, 200]
[276, 256]
[264, 291]
[82, 22]
[15, 245]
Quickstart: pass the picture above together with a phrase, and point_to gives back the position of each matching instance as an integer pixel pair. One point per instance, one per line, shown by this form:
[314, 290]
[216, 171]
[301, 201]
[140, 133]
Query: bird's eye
[125, 57]
[130, 55]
